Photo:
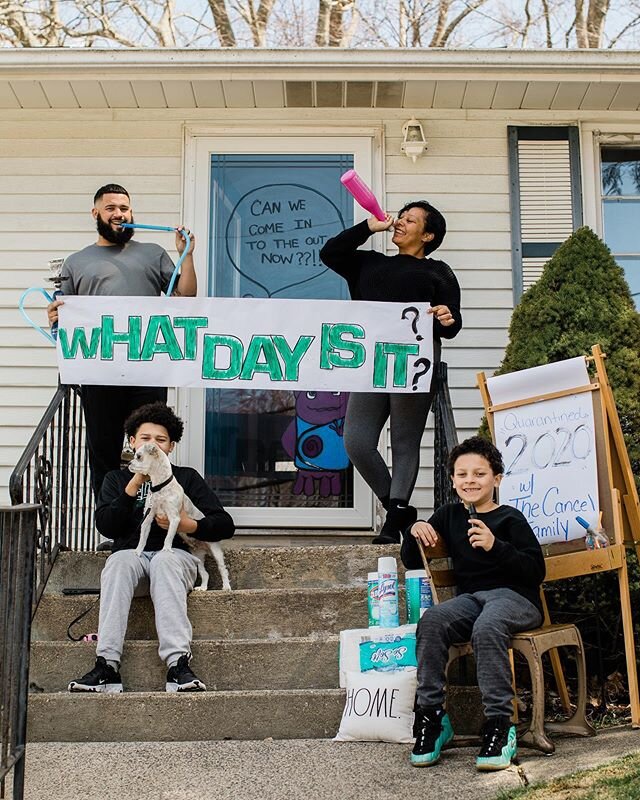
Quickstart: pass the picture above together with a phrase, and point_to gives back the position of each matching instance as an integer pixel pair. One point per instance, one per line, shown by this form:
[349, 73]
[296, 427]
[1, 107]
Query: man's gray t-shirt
[136, 269]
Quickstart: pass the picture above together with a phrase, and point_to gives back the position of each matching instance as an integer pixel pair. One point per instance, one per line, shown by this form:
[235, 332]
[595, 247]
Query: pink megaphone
[362, 194]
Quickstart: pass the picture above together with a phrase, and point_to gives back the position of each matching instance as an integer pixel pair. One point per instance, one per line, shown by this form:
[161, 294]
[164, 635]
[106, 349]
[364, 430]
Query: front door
[277, 458]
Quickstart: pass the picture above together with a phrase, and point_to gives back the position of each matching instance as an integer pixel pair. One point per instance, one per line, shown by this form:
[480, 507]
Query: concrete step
[207, 716]
[300, 663]
[252, 567]
[195, 716]
[243, 614]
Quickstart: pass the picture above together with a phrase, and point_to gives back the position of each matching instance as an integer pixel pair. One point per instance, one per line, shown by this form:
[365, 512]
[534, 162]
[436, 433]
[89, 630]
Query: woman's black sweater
[400, 278]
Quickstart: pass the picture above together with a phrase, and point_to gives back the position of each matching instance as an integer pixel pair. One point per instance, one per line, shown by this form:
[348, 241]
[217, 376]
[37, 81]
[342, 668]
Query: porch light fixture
[413, 142]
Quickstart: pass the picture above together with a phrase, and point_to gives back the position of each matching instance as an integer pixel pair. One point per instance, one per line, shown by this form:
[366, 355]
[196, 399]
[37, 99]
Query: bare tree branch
[443, 37]
[327, 23]
[547, 23]
[441, 22]
[256, 19]
[590, 28]
[632, 24]
[223, 23]
[595, 21]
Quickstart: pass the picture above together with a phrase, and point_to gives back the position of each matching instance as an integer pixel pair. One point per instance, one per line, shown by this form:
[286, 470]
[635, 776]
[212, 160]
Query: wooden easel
[620, 508]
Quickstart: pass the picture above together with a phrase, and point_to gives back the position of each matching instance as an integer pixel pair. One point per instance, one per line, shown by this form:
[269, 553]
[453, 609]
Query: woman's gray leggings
[365, 418]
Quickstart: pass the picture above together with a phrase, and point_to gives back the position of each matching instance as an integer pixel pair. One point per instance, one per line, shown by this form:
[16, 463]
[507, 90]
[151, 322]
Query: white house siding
[51, 162]
[50, 166]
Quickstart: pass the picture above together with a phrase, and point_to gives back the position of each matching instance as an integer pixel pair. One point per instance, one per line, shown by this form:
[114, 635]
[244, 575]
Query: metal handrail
[445, 438]
[53, 472]
[18, 534]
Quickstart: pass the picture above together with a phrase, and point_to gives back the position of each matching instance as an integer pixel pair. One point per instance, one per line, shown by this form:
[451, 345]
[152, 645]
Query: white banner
[251, 343]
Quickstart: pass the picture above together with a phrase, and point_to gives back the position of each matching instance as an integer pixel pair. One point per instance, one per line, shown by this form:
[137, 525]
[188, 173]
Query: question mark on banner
[426, 366]
[414, 321]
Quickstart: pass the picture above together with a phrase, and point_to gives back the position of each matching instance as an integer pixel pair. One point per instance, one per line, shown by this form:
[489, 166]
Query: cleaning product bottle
[373, 604]
[388, 592]
[594, 539]
[418, 594]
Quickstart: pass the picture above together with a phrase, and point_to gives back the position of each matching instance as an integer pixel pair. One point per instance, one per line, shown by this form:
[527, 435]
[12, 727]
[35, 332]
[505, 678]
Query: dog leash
[85, 637]
[92, 637]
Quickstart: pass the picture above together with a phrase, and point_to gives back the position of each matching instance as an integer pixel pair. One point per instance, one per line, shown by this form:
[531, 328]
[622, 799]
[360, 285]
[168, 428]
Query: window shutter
[546, 203]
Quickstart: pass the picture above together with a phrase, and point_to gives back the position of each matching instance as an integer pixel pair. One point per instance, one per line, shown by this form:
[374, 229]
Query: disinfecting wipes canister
[373, 603]
[388, 592]
[418, 594]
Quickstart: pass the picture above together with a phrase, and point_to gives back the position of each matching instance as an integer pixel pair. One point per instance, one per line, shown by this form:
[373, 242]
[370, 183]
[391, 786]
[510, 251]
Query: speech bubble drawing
[274, 234]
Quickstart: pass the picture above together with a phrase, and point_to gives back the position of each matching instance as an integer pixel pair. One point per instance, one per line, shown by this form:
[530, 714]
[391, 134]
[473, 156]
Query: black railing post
[65, 435]
[18, 533]
[445, 437]
[52, 473]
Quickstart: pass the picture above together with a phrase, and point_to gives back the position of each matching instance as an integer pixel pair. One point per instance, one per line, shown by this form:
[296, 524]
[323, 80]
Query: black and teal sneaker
[433, 731]
[499, 746]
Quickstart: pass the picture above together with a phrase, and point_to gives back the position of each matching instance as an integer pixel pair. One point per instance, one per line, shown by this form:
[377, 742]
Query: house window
[546, 199]
[620, 174]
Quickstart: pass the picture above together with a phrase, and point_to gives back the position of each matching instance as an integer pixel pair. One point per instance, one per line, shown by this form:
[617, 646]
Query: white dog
[169, 500]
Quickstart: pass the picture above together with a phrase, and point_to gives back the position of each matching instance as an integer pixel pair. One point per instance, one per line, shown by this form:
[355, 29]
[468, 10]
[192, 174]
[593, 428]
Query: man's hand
[480, 535]
[376, 225]
[181, 242]
[425, 533]
[186, 524]
[52, 311]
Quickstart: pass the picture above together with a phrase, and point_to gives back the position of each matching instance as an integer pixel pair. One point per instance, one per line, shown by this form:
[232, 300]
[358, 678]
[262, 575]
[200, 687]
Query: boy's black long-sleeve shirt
[119, 516]
[393, 279]
[514, 562]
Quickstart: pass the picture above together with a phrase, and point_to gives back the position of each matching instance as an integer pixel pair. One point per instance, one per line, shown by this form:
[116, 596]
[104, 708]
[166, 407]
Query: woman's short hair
[435, 223]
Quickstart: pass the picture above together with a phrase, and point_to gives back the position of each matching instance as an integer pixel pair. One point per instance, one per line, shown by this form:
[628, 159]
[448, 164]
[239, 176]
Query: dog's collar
[162, 485]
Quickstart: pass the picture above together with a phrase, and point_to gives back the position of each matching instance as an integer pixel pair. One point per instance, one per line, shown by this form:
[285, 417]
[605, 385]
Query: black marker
[472, 513]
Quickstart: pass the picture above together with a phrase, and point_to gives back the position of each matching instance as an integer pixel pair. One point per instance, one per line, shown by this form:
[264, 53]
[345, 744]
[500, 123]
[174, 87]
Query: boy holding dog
[171, 573]
[499, 568]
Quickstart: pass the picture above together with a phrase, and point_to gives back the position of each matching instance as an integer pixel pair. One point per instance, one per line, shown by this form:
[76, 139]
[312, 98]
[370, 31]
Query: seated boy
[499, 567]
[171, 574]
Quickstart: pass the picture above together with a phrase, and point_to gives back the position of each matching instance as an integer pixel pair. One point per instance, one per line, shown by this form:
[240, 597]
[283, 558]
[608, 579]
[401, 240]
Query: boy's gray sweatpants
[486, 619]
[168, 576]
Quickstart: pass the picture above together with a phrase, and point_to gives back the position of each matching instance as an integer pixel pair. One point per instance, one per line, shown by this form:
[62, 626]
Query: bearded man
[118, 266]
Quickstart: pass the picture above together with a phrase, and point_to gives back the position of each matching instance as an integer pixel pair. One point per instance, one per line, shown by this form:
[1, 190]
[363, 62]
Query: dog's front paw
[200, 588]
[139, 551]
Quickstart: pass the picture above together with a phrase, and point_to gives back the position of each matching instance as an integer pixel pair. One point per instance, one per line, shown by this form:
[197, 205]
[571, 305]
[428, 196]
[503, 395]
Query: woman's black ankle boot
[399, 516]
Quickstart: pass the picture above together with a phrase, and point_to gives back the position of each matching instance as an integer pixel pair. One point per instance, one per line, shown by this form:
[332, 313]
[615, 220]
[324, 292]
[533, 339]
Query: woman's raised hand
[376, 225]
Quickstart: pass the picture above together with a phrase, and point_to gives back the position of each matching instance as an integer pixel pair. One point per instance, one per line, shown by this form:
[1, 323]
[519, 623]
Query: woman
[408, 276]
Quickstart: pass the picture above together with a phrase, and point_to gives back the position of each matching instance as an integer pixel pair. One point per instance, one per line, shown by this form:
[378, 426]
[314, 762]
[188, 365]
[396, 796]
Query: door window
[270, 215]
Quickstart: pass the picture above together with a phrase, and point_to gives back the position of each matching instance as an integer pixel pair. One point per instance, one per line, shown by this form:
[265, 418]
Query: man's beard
[120, 236]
